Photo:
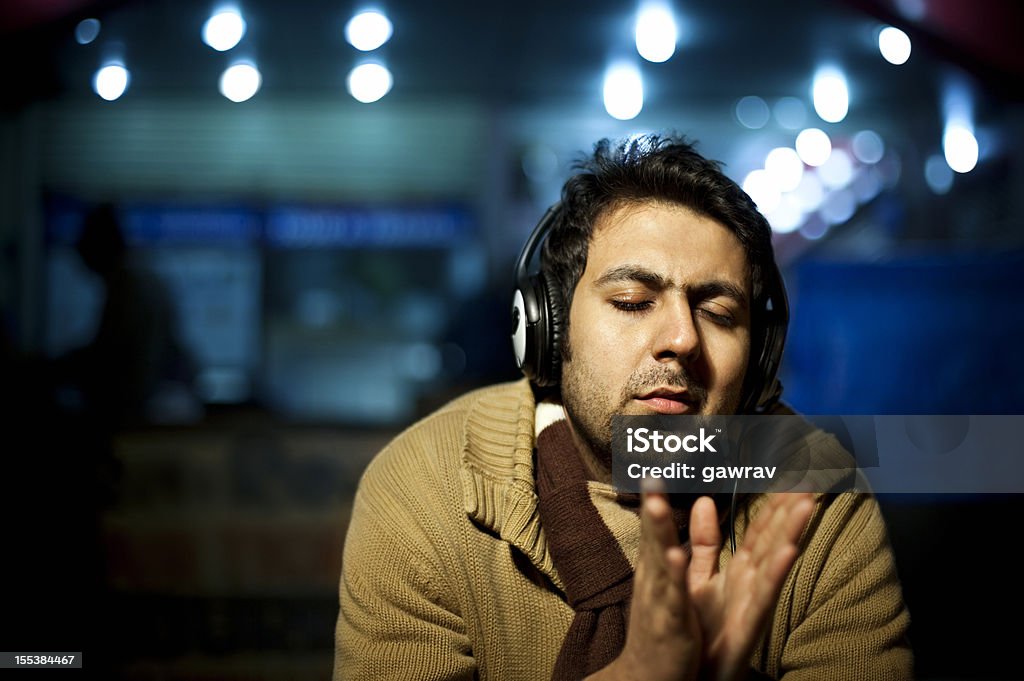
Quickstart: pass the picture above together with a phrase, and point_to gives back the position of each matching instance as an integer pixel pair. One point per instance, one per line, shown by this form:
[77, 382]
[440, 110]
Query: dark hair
[650, 167]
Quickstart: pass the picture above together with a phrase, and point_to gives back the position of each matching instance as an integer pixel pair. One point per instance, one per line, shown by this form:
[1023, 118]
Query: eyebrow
[657, 282]
[635, 273]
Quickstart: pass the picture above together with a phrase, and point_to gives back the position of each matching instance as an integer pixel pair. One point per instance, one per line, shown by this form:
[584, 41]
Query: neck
[596, 469]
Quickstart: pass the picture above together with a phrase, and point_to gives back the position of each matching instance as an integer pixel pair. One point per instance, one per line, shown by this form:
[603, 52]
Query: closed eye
[632, 307]
[720, 319]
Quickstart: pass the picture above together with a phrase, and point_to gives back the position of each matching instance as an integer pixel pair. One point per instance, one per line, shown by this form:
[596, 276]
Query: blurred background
[244, 245]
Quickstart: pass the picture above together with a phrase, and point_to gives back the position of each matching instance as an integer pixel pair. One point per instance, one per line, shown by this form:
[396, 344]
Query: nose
[676, 336]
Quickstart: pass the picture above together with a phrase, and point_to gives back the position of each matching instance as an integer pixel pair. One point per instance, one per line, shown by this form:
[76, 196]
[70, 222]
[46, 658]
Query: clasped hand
[687, 617]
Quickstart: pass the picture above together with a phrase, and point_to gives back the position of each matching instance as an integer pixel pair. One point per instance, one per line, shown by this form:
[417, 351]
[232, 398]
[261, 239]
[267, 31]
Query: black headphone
[539, 319]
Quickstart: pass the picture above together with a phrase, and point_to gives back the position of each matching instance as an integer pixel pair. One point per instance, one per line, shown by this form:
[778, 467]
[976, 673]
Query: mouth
[667, 400]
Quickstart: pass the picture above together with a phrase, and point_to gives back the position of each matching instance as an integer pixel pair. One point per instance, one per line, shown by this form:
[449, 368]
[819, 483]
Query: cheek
[600, 347]
[605, 329]
[610, 345]
[727, 357]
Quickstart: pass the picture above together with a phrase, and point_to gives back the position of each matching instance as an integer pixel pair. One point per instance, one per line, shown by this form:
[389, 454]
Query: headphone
[539, 320]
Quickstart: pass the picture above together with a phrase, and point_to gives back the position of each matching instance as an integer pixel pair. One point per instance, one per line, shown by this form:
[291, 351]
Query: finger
[799, 515]
[760, 570]
[675, 597]
[789, 521]
[773, 532]
[774, 571]
[650, 565]
[791, 526]
[777, 524]
[705, 541]
[658, 531]
[660, 579]
[782, 546]
[762, 587]
[656, 515]
[676, 562]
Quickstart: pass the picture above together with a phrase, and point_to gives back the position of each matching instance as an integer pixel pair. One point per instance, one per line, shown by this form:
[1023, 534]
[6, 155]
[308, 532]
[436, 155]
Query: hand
[733, 606]
[663, 640]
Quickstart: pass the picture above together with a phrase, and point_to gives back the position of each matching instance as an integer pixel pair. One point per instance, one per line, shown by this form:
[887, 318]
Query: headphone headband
[522, 271]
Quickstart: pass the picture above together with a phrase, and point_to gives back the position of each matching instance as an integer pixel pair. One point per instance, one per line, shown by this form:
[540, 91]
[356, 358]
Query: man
[487, 542]
[136, 350]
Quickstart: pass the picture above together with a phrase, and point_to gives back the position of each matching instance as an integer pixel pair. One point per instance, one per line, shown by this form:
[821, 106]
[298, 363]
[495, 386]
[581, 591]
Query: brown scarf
[597, 576]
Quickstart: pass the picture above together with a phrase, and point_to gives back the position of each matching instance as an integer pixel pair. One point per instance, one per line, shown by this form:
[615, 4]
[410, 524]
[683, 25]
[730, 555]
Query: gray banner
[943, 454]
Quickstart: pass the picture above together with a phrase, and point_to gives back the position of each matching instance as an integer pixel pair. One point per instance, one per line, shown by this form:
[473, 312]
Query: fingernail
[652, 486]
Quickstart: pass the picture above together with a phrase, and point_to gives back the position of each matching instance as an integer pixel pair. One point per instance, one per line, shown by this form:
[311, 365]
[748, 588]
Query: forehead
[669, 239]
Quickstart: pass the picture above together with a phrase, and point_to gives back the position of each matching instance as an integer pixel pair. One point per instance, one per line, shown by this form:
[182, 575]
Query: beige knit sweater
[446, 573]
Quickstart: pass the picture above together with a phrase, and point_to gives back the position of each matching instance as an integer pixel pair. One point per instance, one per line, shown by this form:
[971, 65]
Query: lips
[668, 401]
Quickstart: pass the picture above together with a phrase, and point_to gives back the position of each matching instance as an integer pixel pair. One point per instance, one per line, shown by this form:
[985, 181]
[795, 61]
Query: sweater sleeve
[398, 618]
[848, 620]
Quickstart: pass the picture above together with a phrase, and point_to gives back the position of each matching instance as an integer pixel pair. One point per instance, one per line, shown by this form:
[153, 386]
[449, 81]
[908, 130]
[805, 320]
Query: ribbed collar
[498, 483]
[498, 488]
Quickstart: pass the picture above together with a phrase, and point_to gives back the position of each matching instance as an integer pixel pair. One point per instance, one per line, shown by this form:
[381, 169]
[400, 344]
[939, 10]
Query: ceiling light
[763, 190]
[894, 45]
[368, 30]
[224, 29]
[623, 91]
[111, 81]
[369, 82]
[787, 216]
[813, 146]
[240, 82]
[830, 94]
[960, 148]
[655, 33]
[785, 166]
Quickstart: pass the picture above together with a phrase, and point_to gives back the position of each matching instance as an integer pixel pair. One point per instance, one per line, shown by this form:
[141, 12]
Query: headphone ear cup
[774, 321]
[537, 312]
[550, 365]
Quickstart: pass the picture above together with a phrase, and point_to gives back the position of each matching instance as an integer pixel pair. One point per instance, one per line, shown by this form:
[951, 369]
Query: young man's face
[659, 322]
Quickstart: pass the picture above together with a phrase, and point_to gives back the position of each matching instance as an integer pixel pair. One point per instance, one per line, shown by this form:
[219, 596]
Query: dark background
[335, 270]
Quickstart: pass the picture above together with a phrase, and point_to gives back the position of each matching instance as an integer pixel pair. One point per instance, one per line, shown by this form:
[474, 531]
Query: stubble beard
[590, 407]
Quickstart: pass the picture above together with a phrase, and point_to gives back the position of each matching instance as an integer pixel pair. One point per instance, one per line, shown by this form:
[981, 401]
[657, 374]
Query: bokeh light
[224, 29]
[240, 82]
[813, 146]
[369, 83]
[894, 45]
[655, 32]
[368, 30]
[111, 81]
[960, 148]
[868, 147]
[87, 31]
[752, 112]
[623, 91]
[831, 95]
